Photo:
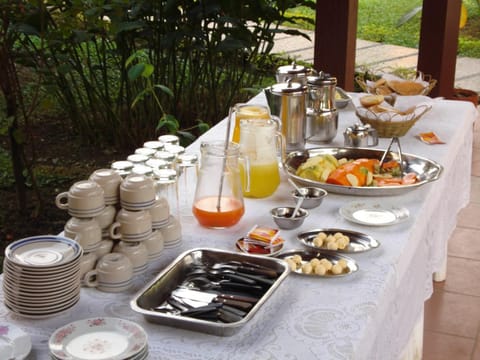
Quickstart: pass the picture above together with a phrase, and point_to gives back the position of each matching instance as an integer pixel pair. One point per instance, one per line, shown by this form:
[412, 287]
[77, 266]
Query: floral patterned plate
[98, 338]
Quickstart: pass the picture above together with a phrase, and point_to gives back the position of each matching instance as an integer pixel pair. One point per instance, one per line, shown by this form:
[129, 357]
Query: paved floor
[452, 314]
[380, 57]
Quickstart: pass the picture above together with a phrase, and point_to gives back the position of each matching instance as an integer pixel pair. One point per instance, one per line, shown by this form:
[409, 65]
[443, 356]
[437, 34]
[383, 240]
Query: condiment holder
[283, 217]
[360, 135]
[312, 196]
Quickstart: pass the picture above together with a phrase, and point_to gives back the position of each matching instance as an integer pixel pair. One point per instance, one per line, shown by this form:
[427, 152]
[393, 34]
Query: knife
[202, 308]
[247, 268]
[244, 303]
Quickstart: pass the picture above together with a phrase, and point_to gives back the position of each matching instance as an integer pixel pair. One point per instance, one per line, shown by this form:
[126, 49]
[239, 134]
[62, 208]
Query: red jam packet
[430, 138]
[252, 246]
[261, 240]
[266, 235]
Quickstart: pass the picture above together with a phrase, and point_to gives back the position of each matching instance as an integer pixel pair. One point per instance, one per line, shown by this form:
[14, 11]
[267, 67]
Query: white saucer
[43, 251]
[374, 213]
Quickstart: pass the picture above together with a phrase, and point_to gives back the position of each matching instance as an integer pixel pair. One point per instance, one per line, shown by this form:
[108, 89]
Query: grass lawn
[375, 23]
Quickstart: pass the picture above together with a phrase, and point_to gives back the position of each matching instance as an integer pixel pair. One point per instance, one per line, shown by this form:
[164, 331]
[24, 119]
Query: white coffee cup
[172, 233]
[137, 253]
[137, 192]
[113, 273]
[84, 199]
[110, 181]
[85, 231]
[160, 212]
[105, 247]
[107, 217]
[154, 244]
[87, 263]
[131, 225]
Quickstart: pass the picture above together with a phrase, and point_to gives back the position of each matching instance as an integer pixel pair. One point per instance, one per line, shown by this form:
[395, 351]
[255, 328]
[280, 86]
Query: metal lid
[145, 151]
[154, 144]
[122, 165]
[142, 170]
[165, 155]
[169, 139]
[187, 160]
[358, 127]
[158, 163]
[288, 87]
[165, 176]
[174, 149]
[137, 158]
[323, 79]
[292, 69]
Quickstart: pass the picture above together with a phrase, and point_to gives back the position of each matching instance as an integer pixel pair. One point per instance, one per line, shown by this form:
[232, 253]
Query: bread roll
[371, 100]
[406, 87]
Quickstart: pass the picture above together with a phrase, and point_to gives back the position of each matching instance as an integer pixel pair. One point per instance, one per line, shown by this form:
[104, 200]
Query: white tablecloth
[368, 315]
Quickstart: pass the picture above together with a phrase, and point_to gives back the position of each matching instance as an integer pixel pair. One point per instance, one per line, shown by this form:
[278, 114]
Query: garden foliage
[127, 70]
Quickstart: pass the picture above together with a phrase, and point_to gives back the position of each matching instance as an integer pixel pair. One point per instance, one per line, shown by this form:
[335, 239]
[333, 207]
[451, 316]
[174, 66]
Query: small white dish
[374, 213]
[120, 339]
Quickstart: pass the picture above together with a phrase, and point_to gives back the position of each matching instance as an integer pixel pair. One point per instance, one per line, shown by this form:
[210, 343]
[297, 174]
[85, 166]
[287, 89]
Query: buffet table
[370, 314]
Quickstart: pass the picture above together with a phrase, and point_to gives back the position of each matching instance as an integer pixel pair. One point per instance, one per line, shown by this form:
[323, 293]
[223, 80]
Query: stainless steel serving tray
[160, 288]
[308, 255]
[359, 242]
[426, 170]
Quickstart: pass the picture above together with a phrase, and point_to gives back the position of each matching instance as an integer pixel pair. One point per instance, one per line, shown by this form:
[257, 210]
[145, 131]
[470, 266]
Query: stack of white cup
[112, 215]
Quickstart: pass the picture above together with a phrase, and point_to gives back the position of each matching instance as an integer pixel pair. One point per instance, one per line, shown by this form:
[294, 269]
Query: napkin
[413, 106]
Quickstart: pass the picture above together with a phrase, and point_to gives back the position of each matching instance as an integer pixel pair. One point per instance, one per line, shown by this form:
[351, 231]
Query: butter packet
[265, 234]
[430, 138]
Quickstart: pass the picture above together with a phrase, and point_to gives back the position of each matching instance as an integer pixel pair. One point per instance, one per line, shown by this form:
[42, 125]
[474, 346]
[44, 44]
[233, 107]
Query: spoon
[300, 200]
[299, 203]
[294, 185]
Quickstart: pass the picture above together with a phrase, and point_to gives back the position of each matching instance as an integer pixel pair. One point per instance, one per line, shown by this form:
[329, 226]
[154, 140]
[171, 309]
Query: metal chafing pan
[426, 170]
[160, 288]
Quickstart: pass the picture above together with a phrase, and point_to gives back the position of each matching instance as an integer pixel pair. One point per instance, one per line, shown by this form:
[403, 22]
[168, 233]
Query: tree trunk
[9, 86]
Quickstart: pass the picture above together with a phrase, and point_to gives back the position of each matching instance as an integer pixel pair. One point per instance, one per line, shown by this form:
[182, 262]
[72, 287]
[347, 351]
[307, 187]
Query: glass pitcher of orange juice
[248, 111]
[218, 201]
[259, 142]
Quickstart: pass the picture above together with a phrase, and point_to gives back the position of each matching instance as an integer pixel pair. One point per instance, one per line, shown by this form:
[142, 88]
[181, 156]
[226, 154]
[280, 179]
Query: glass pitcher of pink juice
[259, 142]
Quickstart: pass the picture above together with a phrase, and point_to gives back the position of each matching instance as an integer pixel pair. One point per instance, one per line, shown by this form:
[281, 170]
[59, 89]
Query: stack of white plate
[99, 338]
[41, 275]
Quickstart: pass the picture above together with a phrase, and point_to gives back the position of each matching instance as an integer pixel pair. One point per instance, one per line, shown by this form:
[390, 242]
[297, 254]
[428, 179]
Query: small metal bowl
[313, 196]
[282, 217]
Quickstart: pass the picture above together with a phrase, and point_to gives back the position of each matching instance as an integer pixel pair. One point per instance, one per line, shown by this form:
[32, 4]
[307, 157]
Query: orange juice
[246, 111]
[207, 214]
[264, 180]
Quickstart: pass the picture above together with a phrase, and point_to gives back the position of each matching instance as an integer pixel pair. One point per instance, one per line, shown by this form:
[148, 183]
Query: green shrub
[204, 52]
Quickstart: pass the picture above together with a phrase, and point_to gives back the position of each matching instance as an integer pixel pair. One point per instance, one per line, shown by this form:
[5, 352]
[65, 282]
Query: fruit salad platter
[357, 171]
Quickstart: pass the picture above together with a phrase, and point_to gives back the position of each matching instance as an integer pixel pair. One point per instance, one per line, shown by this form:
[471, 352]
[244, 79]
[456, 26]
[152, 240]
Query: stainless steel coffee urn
[294, 72]
[287, 102]
[322, 115]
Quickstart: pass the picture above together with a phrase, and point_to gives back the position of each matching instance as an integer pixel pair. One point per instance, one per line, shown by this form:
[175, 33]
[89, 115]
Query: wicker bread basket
[369, 87]
[392, 123]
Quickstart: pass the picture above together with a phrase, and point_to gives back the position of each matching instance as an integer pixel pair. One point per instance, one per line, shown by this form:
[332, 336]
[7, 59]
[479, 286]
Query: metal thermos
[322, 115]
[287, 102]
[293, 72]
